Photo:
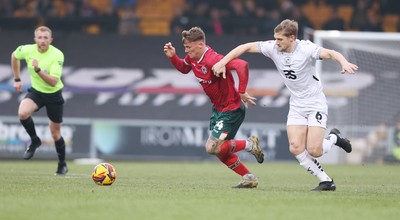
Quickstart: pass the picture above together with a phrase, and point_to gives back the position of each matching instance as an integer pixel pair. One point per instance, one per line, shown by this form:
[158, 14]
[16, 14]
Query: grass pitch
[196, 190]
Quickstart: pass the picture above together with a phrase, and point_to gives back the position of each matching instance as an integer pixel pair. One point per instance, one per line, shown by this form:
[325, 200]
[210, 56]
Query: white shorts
[312, 112]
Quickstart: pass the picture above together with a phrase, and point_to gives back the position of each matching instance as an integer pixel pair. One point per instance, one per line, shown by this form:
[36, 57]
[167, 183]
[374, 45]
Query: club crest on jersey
[287, 60]
[204, 69]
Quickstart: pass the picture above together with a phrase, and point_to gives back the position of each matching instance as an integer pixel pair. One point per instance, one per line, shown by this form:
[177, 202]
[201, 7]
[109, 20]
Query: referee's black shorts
[54, 103]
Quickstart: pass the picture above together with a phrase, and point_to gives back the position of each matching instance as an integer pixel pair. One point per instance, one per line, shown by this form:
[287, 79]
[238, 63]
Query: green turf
[196, 190]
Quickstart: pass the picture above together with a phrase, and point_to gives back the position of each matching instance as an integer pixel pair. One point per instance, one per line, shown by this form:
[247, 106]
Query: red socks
[230, 159]
[232, 146]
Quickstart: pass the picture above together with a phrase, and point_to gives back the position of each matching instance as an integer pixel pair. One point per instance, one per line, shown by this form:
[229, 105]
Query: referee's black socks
[60, 149]
[29, 126]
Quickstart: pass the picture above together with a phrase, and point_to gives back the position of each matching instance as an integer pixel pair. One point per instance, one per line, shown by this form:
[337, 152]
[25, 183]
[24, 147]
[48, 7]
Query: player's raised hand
[349, 68]
[169, 50]
[246, 98]
[219, 69]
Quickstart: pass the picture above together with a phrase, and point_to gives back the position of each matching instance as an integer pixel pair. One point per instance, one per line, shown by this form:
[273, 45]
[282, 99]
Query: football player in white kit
[308, 113]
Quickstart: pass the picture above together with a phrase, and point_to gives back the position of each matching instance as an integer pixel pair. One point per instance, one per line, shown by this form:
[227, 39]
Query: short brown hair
[288, 27]
[43, 28]
[194, 34]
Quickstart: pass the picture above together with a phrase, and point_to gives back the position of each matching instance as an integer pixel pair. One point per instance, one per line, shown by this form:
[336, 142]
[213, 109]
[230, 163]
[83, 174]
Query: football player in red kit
[229, 103]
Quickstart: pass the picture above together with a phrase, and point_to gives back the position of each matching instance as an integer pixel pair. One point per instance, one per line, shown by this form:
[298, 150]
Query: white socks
[313, 166]
[328, 143]
[249, 145]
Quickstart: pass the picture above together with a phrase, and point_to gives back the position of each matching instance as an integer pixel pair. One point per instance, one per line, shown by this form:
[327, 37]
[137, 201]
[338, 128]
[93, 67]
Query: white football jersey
[297, 68]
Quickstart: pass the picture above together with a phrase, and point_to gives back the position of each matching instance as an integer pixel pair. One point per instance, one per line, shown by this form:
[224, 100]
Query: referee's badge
[204, 69]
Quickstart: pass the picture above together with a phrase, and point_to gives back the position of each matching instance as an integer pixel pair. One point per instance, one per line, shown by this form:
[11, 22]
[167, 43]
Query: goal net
[365, 103]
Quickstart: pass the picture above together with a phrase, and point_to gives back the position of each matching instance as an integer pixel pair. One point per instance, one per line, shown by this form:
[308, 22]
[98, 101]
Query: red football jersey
[222, 92]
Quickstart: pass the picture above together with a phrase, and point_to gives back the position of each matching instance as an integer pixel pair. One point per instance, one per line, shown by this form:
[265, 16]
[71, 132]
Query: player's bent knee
[314, 152]
[23, 115]
[213, 146]
[55, 135]
[212, 149]
[296, 150]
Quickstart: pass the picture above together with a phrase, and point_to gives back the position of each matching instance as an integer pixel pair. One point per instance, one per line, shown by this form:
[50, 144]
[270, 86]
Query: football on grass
[104, 174]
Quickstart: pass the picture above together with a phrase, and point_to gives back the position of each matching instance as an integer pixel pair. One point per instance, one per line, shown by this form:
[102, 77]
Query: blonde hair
[194, 34]
[43, 28]
[288, 27]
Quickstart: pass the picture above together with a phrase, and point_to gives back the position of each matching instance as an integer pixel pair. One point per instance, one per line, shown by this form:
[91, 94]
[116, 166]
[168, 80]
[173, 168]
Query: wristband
[17, 80]
[37, 70]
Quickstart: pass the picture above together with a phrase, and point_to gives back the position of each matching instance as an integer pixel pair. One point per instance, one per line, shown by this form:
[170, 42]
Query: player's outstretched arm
[346, 65]
[178, 63]
[219, 67]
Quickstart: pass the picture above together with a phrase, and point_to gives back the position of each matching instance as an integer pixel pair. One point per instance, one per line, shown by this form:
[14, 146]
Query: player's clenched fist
[218, 69]
[169, 50]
